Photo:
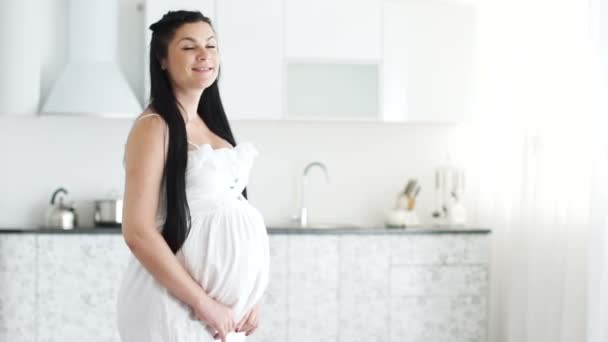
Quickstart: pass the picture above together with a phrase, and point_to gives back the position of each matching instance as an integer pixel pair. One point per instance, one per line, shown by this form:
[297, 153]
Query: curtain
[529, 148]
[598, 251]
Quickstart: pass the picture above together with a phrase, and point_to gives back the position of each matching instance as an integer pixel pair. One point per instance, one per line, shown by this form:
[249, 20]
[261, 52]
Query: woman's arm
[144, 163]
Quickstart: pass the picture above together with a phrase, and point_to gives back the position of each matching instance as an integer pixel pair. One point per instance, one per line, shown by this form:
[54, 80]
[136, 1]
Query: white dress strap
[193, 144]
[147, 115]
[167, 132]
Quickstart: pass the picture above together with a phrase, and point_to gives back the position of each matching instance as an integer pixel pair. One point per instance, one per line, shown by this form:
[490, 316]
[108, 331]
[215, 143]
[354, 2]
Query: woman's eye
[211, 46]
[188, 48]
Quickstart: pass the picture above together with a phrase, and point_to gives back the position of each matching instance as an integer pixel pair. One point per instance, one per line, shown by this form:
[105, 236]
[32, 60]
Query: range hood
[92, 82]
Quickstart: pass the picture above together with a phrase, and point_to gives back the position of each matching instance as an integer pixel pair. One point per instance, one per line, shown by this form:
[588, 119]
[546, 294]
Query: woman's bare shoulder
[147, 133]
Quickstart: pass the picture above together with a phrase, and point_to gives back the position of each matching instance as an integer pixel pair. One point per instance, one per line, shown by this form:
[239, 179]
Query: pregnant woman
[200, 258]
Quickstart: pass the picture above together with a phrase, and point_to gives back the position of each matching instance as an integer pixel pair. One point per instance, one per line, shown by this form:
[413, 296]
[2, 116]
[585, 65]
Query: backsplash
[368, 164]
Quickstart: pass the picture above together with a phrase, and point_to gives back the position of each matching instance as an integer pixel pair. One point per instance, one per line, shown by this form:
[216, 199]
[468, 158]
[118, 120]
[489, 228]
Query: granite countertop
[277, 230]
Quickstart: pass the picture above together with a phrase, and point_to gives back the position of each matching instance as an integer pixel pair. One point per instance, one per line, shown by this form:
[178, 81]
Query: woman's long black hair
[163, 101]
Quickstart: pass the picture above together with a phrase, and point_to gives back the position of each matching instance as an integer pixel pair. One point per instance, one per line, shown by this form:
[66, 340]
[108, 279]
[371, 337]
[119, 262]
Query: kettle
[59, 214]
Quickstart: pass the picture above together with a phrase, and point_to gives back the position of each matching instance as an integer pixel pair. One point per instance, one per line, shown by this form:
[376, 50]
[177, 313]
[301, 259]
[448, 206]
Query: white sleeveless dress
[226, 252]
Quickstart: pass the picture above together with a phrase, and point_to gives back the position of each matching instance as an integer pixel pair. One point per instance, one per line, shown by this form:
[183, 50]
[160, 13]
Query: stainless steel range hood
[92, 82]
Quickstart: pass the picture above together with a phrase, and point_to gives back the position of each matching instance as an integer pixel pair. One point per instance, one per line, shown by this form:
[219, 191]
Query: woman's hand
[219, 317]
[250, 322]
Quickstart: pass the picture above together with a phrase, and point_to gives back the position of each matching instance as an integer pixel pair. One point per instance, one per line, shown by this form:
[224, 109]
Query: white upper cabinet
[331, 91]
[250, 40]
[428, 56]
[155, 9]
[376, 60]
[333, 29]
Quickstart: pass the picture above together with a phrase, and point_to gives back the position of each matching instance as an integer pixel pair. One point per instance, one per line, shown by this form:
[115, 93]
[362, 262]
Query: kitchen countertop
[278, 230]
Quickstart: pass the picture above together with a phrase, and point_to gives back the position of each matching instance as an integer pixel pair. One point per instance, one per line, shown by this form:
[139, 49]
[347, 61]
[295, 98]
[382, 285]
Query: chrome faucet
[303, 216]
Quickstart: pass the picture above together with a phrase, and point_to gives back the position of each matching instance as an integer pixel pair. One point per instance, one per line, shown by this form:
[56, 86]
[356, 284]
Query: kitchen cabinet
[333, 30]
[251, 49]
[428, 60]
[18, 288]
[395, 285]
[312, 288]
[364, 291]
[377, 288]
[155, 9]
[439, 288]
[379, 60]
[332, 91]
[250, 42]
[332, 59]
[77, 280]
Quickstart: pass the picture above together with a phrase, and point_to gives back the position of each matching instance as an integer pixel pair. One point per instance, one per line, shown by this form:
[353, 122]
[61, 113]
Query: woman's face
[192, 57]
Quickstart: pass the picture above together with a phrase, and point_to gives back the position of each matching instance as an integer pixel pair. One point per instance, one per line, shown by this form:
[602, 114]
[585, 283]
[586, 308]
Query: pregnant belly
[227, 253]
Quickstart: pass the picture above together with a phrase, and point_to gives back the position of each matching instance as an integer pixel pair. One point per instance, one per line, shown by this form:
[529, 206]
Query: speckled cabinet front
[312, 288]
[323, 287]
[364, 288]
[78, 276]
[17, 288]
[439, 288]
[348, 288]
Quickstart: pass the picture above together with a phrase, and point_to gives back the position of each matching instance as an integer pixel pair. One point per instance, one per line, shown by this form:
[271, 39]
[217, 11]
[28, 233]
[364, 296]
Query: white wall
[368, 164]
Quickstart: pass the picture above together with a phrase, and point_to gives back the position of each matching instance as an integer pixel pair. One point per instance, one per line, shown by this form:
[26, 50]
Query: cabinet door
[438, 287]
[333, 29]
[312, 288]
[18, 284]
[428, 60]
[364, 288]
[250, 40]
[331, 91]
[78, 279]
